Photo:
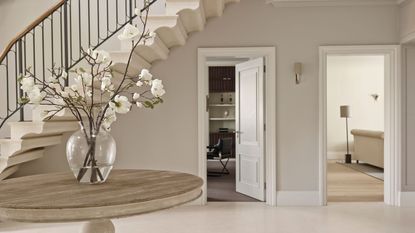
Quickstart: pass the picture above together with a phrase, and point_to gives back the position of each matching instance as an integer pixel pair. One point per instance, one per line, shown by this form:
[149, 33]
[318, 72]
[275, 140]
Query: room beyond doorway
[269, 157]
[236, 132]
[222, 188]
[392, 120]
[355, 127]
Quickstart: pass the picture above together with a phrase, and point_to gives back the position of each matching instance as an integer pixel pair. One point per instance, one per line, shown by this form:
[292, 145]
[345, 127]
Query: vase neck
[90, 131]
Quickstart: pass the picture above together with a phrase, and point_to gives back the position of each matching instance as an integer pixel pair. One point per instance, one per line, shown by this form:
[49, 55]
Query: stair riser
[172, 37]
[193, 20]
[153, 51]
[214, 8]
[20, 158]
[9, 147]
[8, 172]
[23, 130]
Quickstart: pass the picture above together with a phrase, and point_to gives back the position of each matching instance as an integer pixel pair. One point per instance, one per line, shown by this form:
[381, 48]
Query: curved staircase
[28, 139]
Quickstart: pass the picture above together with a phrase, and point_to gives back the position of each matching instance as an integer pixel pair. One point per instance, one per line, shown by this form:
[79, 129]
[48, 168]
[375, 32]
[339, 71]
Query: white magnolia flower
[157, 88]
[87, 78]
[145, 75]
[28, 83]
[137, 11]
[129, 33]
[56, 86]
[100, 56]
[139, 84]
[109, 118]
[136, 96]
[59, 101]
[140, 105]
[106, 83]
[64, 75]
[78, 88]
[89, 92]
[35, 95]
[67, 92]
[120, 104]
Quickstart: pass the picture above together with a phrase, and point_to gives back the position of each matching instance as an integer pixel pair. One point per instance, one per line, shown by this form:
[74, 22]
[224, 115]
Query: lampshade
[345, 111]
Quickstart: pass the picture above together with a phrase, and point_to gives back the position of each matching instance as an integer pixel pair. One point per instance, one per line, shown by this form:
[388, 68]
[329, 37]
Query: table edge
[92, 213]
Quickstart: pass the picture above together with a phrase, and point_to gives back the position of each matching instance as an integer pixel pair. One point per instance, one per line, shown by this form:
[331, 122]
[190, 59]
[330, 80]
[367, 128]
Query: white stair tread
[175, 6]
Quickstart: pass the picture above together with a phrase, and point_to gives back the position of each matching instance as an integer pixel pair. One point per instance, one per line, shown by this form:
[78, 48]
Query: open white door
[250, 172]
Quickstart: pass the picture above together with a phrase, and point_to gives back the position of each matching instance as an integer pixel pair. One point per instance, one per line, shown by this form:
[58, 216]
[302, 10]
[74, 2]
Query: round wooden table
[58, 197]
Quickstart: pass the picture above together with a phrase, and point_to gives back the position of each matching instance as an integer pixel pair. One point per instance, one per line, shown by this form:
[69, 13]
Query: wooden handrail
[31, 26]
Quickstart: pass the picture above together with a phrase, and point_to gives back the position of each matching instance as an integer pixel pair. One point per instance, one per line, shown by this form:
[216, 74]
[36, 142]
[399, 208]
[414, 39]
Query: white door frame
[270, 112]
[393, 116]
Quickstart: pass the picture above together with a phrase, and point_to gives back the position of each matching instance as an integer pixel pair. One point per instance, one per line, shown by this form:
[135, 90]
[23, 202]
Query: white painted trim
[298, 198]
[393, 116]
[325, 3]
[222, 63]
[407, 199]
[270, 115]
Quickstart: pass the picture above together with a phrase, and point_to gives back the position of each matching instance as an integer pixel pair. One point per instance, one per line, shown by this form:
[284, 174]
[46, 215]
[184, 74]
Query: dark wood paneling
[222, 79]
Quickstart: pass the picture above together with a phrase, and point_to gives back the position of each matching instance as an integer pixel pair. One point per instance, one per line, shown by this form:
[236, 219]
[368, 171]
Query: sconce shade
[345, 111]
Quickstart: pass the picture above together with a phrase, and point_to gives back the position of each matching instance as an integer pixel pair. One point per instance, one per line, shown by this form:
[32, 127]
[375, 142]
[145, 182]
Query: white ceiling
[305, 3]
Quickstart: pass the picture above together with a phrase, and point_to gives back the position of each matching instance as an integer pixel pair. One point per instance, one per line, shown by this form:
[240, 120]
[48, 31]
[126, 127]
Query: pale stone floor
[251, 217]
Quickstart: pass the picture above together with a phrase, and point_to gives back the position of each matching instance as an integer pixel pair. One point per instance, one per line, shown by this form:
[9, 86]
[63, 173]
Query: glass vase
[91, 155]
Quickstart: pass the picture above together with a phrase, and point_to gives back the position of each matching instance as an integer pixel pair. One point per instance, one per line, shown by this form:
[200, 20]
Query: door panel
[250, 129]
[248, 92]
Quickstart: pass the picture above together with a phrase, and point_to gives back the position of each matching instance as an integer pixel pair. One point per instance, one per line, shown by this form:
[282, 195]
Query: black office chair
[222, 151]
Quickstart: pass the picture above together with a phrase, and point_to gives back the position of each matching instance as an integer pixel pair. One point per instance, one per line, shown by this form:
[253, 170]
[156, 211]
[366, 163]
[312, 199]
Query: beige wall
[351, 80]
[166, 138]
[15, 15]
[407, 20]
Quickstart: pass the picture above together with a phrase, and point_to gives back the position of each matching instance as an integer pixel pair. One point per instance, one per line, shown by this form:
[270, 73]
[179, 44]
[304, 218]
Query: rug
[367, 169]
[223, 188]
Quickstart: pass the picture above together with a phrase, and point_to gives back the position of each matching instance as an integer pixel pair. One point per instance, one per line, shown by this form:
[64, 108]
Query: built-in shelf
[221, 119]
[221, 105]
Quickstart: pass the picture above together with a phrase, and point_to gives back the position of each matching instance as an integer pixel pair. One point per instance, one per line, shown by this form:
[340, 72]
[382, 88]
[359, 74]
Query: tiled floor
[254, 217]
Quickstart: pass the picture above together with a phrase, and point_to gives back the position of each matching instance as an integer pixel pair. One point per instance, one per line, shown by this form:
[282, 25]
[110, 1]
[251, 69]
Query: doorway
[355, 128]
[363, 162]
[244, 113]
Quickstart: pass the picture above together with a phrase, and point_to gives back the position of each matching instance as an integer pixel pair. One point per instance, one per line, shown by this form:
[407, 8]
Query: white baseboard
[298, 198]
[407, 199]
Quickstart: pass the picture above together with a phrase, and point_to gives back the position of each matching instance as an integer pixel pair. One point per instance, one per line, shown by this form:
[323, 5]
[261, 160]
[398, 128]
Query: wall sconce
[375, 96]
[298, 71]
